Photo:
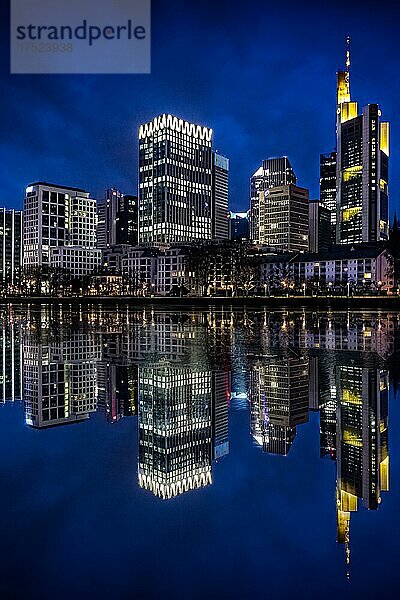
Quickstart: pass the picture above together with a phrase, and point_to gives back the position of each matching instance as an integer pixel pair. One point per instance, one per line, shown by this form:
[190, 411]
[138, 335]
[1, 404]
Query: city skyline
[200, 299]
[234, 132]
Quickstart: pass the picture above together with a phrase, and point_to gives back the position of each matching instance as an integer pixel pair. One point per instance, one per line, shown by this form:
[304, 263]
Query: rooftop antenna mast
[348, 63]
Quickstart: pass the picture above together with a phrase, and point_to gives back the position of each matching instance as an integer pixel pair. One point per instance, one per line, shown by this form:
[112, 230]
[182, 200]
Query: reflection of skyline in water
[177, 374]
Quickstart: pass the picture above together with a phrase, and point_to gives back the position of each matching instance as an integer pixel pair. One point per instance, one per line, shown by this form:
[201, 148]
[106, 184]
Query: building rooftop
[341, 252]
[344, 251]
[9, 210]
[55, 185]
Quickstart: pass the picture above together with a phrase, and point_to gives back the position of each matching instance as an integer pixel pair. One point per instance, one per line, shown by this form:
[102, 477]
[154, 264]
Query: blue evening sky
[262, 74]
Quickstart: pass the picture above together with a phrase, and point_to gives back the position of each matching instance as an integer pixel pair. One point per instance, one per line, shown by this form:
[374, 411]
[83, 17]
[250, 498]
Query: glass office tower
[220, 230]
[279, 211]
[362, 141]
[327, 188]
[10, 245]
[175, 181]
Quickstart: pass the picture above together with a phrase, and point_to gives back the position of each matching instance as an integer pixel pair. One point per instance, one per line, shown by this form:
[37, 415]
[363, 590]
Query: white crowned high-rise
[362, 168]
[279, 211]
[175, 181]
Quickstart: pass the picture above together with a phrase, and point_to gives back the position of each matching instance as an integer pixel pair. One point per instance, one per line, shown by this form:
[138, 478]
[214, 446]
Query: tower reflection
[278, 396]
[60, 377]
[174, 429]
[174, 375]
[362, 442]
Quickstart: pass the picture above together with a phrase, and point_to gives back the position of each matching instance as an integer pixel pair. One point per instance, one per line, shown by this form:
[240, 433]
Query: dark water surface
[199, 453]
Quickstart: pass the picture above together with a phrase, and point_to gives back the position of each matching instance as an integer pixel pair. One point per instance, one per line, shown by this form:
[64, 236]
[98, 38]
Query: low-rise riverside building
[172, 270]
[351, 270]
[208, 268]
[78, 261]
[234, 269]
[112, 258]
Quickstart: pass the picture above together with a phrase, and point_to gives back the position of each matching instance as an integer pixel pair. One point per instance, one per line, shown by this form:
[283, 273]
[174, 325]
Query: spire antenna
[348, 63]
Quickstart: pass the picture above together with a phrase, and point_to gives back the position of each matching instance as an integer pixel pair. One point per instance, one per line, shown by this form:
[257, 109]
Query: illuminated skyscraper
[56, 216]
[117, 394]
[117, 219]
[279, 212]
[362, 141]
[327, 403]
[274, 172]
[239, 226]
[327, 188]
[127, 221]
[175, 181]
[107, 210]
[220, 190]
[313, 392]
[60, 228]
[10, 245]
[319, 227]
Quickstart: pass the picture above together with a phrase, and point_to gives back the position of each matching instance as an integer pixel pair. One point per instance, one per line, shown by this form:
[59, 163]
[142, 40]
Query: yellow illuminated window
[384, 145]
[349, 111]
[351, 396]
[350, 213]
[351, 172]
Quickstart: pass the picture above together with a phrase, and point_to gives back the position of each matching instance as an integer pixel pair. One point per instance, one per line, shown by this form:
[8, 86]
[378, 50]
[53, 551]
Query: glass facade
[10, 246]
[278, 208]
[278, 395]
[175, 181]
[56, 216]
[327, 188]
[175, 444]
[239, 226]
[362, 141]
[319, 227]
[220, 197]
[60, 384]
[127, 221]
[107, 211]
